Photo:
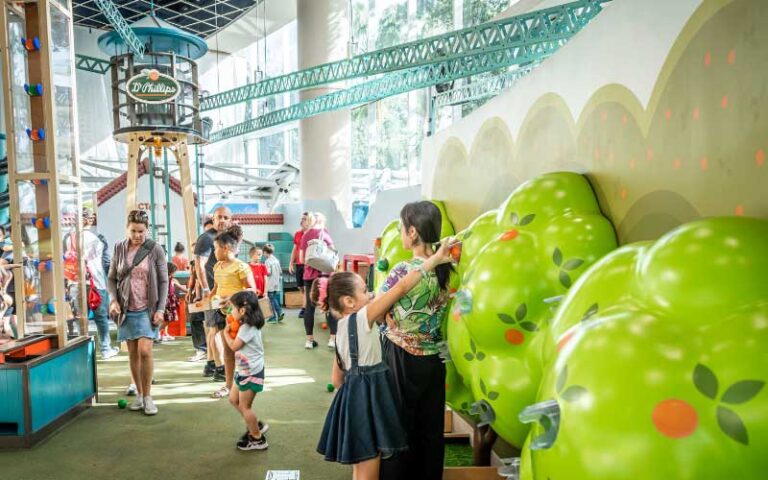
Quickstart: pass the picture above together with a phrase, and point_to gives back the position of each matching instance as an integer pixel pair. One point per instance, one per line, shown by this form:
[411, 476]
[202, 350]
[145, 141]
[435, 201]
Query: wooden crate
[294, 299]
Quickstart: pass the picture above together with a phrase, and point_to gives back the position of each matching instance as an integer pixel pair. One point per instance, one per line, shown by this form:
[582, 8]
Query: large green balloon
[534, 247]
[657, 361]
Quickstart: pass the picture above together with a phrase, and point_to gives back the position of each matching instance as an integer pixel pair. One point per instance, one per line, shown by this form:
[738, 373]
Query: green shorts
[251, 382]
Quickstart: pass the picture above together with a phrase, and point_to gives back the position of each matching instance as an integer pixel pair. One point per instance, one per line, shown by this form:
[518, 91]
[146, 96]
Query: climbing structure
[47, 375]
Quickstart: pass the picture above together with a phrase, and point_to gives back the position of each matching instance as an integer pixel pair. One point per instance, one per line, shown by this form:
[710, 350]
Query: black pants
[309, 314]
[197, 325]
[420, 394]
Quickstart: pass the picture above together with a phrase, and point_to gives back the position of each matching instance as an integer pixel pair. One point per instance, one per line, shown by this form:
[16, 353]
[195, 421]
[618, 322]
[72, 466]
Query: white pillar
[323, 36]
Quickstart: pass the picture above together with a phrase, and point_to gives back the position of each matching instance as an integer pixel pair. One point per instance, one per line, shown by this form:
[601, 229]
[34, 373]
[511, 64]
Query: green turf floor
[193, 436]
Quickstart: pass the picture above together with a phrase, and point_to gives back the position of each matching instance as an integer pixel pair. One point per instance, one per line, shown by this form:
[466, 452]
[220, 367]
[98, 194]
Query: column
[323, 35]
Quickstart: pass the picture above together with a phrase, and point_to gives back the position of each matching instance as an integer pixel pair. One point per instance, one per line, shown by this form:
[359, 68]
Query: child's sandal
[221, 393]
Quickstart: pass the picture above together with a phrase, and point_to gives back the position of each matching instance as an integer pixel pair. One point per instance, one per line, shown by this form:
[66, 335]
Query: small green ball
[330, 387]
[122, 403]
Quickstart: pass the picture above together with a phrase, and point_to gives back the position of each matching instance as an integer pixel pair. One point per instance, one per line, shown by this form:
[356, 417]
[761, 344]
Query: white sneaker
[168, 338]
[137, 404]
[149, 406]
[110, 353]
[131, 390]
[199, 355]
[332, 343]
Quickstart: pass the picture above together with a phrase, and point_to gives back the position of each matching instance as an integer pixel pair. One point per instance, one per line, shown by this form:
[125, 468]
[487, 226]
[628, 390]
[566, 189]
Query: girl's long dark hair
[426, 218]
[250, 302]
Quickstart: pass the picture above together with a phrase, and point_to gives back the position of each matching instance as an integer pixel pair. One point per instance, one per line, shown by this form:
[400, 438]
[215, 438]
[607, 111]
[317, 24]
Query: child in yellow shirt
[230, 276]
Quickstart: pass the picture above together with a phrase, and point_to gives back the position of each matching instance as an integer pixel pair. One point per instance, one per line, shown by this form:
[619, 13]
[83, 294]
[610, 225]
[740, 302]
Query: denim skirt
[136, 325]
[363, 421]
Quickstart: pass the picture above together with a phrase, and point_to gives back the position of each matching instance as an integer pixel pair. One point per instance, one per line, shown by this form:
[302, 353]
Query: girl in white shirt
[363, 425]
[249, 357]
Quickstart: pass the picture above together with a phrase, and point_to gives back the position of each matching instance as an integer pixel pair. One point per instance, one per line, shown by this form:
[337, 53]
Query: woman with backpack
[138, 287]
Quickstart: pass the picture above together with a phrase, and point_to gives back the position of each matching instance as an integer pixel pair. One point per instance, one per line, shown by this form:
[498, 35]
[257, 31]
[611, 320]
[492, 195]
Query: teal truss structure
[551, 24]
[109, 9]
[91, 64]
[481, 88]
[523, 54]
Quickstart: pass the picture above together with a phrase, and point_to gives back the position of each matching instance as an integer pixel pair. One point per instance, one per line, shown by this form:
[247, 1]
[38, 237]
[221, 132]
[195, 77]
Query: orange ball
[324, 325]
[234, 326]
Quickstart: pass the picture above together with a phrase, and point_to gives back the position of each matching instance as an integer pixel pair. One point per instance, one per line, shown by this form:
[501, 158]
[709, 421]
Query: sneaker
[149, 406]
[310, 344]
[154, 382]
[219, 375]
[210, 369]
[251, 443]
[263, 428]
[301, 313]
[137, 404]
[168, 338]
[271, 320]
[332, 344]
[281, 317]
[131, 390]
[199, 355]
[112, 352]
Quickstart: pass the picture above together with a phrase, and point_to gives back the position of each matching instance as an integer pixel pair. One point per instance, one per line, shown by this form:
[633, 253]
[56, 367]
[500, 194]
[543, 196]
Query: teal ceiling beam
[91, 64]
[551, 24]
[109, 9]
[399, 82]
[482, 87]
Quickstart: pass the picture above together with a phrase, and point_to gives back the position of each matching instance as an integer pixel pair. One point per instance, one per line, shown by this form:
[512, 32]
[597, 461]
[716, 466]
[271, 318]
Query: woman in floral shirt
[410, 347]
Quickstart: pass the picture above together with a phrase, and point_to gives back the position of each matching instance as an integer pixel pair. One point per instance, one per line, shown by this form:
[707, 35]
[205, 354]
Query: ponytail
[426, 218]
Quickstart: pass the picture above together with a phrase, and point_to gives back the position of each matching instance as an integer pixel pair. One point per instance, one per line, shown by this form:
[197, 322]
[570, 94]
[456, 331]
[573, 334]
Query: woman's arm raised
[380, 305]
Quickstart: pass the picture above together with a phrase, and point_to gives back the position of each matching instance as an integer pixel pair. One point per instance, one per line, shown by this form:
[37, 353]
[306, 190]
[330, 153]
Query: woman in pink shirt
[318, 230]
[138, 287]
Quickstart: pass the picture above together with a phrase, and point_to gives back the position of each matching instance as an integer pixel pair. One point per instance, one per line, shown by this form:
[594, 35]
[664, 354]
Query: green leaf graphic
[513, 218]
[730, 423]
[406, 302]
[573, 264]
[743, 391]
[565, 279]
[469, 356]
[561, 379]
[705, 381]
[466, 235]
[506, 318]
[557, 256]
[480, 356]
[527, 219]
[573, 393]
[493, 395]
[421, 302]
[472, 346]
[521, 312]
[482, 387]
[590, 312]
[530, 326]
